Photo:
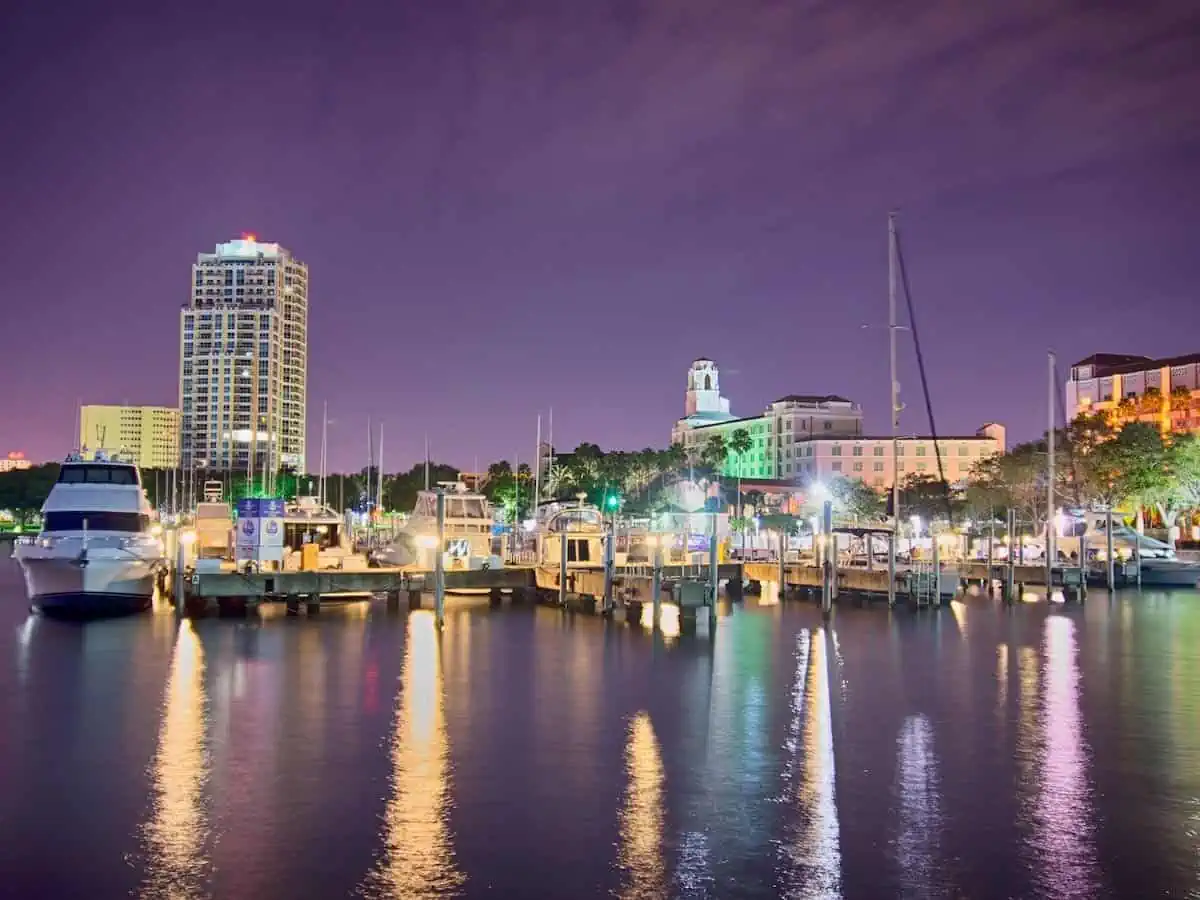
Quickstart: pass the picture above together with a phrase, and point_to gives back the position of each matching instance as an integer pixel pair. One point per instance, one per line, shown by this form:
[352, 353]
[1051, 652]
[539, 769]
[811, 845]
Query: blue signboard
[247, 508]
[270, 509]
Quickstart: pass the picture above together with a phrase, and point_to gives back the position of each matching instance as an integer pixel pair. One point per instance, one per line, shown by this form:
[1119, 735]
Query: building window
[920, 467]
[879, 451]
[857, 450]
[858, 467]
[921, 449]
[837, 467]
[962, 451]
[836, 450]
[878, 467]
[829, 426]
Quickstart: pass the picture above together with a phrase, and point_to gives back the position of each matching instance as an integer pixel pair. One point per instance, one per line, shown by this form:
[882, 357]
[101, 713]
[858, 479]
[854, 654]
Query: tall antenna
[427, 460]
[370, 462]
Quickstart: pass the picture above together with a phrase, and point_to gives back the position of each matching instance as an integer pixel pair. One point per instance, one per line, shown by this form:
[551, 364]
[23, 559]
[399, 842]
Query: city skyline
[483, 199]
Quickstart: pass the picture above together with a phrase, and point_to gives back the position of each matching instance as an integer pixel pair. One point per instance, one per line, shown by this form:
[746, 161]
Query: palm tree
[714, 454]
[740, 442]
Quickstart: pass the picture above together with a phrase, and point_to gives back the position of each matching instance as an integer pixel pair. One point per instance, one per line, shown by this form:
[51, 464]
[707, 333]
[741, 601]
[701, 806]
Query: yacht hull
[1171, 574]
[95, 586]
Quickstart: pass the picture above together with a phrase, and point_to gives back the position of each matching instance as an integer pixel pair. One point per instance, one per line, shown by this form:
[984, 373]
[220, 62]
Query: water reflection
[920, 808]
[641, 853]
[810, 850]
[175, 839]
[418, 858]
[1063, 837]
[668, 619]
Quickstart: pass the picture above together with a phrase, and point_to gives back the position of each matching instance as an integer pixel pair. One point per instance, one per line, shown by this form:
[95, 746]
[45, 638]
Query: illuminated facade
[802, 437]
[14, 461]
[243, 378]
[150, 434]
[1161, 392]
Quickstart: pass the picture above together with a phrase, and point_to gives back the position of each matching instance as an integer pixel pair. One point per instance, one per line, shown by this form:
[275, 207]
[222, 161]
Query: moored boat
[98, 553]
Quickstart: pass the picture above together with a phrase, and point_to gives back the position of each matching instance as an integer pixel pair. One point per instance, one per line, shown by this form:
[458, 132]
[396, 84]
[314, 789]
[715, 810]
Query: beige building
[1162, 392]
[806, 437]
[14, 461]
[243, 359]
[150, 434]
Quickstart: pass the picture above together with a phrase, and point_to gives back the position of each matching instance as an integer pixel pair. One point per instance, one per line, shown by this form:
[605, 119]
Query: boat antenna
[537, 464]
[78, 438]
[427, 460]
[912, 324]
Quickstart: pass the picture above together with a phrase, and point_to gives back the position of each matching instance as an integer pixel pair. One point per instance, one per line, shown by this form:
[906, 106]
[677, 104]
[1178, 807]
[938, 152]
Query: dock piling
[562, 569]
[656, 582]
[828, 557]
[1108, 555]
[610, 541]
[713, 573]
[178, 577]
[439, 563]
[891, 548]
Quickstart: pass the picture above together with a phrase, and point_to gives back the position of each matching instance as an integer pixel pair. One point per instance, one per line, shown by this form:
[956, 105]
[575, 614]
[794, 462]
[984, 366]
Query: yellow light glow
[428, 541]
[419, 857]
[156, 529]
[187, 537]
[641, 839]
[175, 837]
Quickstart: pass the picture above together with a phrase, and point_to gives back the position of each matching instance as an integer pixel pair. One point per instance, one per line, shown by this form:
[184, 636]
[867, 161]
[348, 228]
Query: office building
[149, 434]
[1161, 392]
[805, 437]
[244, 360]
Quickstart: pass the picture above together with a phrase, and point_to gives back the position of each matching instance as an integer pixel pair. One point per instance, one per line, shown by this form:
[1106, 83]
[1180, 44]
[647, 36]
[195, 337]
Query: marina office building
[801, 437]
[243, 359]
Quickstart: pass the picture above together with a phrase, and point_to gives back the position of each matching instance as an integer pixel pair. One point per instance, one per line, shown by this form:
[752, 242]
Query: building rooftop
[1121, 364]
[813, 398]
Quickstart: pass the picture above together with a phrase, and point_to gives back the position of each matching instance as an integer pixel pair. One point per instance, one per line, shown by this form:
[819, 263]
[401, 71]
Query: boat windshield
[97, 475]
[96, 521]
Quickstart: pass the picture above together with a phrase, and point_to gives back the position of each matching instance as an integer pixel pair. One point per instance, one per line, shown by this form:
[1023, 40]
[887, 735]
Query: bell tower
[704, 390]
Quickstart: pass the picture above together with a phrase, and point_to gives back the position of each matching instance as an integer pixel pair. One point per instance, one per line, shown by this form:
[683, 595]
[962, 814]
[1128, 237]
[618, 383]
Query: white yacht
[466, 532]
[1160, 566]
[96, 553]
[580, 524]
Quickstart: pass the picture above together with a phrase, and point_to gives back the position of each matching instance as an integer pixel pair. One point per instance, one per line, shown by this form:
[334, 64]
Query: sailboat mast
[379, 477]
[370, 464]
[537, 462]
[1050, 535]
[895, 384]
[324, 445]
[427, 461]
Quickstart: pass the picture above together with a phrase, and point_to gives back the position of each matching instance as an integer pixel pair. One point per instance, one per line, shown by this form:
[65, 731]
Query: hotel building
[1162, 392]
[802, 437]
[150, 434]
[244, 359]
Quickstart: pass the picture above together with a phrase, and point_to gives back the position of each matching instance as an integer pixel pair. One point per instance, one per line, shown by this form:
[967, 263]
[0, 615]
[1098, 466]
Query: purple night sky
[509, 206]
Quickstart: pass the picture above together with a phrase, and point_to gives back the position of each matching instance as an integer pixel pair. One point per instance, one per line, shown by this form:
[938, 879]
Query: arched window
[708, 382]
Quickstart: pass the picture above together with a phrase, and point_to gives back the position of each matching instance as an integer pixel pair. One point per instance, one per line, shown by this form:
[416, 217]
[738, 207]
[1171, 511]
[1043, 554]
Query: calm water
[977, 752]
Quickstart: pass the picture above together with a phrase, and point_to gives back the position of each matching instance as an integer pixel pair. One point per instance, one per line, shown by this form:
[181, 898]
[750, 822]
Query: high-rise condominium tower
[243, 360]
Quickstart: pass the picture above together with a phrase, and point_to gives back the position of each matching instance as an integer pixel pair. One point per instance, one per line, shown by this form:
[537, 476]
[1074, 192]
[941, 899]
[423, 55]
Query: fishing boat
[98, 552]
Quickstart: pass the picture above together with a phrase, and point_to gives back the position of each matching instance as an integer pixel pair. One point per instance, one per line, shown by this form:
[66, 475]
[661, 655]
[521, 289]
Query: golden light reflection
[418, 857]
[1002, 684]
[175, 839]
[959, 610]
[811, 847]
[668, 619]
[641, 849]
[1027, 700]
